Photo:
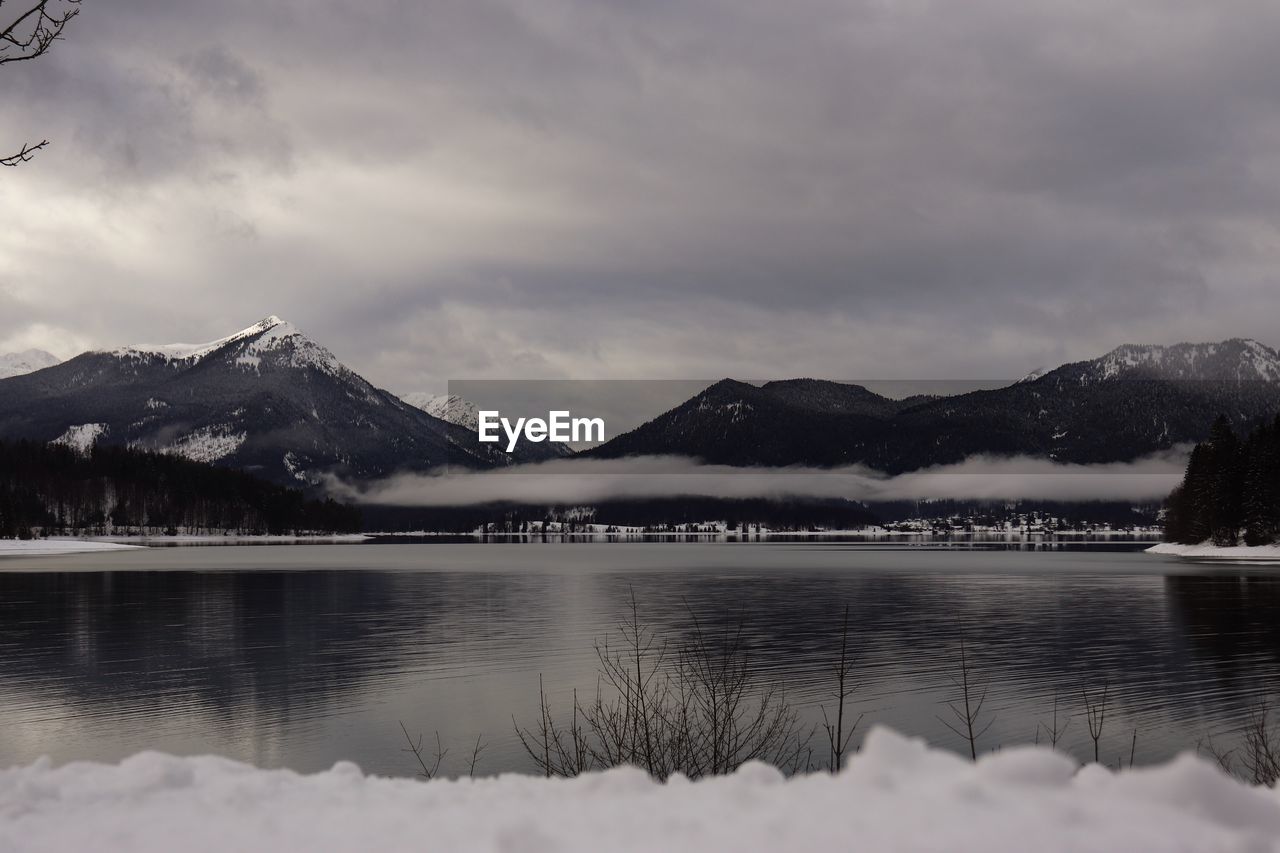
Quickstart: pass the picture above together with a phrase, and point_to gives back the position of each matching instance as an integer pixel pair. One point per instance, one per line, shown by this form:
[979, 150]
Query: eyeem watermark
[559, 426]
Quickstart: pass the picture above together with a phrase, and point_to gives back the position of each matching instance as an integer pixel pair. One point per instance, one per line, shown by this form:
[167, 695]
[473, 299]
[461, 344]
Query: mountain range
[272, 401]
[1132, 401]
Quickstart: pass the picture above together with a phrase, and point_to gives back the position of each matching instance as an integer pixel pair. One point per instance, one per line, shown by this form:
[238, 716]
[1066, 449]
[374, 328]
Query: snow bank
[896, 795]
[1205, 551]
[236, 539]
[37, 547]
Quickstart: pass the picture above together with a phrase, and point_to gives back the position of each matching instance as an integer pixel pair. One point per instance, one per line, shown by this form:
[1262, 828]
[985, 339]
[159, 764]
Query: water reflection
[301, 667]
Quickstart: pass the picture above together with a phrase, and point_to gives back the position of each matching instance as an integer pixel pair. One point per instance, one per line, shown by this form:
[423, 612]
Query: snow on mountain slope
[446, 407]
[194, 352]
[207, 444]
[27, 361]
[270, 338]
[1237, 359]
[465, 414]
[266, 399]
[81, 437]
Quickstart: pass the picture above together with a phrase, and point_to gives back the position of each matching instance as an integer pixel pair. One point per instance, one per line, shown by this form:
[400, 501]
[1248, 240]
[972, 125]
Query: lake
[298, 656]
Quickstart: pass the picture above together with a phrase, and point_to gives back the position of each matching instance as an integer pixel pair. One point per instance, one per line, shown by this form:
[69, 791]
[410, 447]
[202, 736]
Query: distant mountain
[267, 399]
[18, 363]
[446, 407]
[1130, 402]
[466, 414]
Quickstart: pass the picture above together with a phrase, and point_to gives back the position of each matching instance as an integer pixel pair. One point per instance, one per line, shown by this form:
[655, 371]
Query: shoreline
[54, 547]
[1207, 553]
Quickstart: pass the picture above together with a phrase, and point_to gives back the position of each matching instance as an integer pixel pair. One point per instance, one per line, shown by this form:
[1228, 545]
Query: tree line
[52, 489]
[1231, 491]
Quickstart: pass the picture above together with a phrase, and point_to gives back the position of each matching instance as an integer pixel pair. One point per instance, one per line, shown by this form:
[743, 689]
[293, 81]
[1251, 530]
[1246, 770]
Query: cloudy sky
[661, 189]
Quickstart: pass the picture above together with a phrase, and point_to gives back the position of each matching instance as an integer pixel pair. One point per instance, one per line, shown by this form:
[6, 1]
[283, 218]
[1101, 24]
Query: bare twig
[837, 737]
[29, 35]
[698, 709]
[475, 755]
[1054, 730]
[426, 771]
[24, 155]
[968, 723]
[1095, 710]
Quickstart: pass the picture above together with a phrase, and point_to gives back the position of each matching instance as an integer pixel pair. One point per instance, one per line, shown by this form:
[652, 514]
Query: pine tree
[1258, 493]
[1227, 483]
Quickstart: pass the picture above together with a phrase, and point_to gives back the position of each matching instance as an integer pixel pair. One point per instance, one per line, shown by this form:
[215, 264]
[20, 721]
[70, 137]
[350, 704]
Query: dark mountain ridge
[1131, 402]
[266, 400]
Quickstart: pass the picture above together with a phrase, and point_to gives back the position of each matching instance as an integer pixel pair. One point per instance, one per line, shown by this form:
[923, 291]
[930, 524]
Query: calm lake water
[299, 656]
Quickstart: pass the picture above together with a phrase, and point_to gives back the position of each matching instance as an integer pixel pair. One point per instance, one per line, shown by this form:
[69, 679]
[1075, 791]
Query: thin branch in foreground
[967, 712]
[837, 737]
[1054, 730]
[1095, 710]
[480, 747]
[427, 771]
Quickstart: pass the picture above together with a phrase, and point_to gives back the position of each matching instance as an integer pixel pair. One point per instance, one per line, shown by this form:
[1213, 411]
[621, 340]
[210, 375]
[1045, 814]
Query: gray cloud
[586, 481]
[561, 188]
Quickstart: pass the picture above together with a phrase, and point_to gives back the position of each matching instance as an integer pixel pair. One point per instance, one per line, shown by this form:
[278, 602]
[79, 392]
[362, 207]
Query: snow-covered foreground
[1205, 551]
[53, 546]
[895, 795]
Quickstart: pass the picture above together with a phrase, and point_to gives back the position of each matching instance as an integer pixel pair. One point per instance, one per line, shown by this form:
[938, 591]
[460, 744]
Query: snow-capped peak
[1237, 359]
[1033, 375]
[27, 361]
[194, 352]
[270, 337]
[446, 407]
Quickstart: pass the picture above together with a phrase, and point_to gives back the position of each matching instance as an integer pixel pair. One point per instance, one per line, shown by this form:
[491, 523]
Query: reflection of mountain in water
[304, 667]
[233, 649]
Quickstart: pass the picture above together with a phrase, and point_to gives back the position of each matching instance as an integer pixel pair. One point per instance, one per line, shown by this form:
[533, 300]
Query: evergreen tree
[1231, 489]
[1227, 485]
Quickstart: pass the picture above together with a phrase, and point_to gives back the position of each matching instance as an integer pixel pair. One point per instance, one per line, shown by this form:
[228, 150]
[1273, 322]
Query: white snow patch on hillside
[896, 794]
[207, 444]
[446, 407]
[27, 361]
[81, 437]
[194, 352]
[286, 345]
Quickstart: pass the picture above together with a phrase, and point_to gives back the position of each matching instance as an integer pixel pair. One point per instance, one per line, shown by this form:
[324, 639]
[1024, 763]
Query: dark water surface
[299, 656]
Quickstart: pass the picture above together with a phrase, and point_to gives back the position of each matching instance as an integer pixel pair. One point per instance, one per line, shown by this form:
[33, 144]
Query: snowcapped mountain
[1130, 402]
[1234, 360]
[462, 412]
[267, 399]
[27, 361]
[446, 407]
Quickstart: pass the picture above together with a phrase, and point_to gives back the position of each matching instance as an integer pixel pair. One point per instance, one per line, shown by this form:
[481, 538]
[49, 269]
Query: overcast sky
[650, 188]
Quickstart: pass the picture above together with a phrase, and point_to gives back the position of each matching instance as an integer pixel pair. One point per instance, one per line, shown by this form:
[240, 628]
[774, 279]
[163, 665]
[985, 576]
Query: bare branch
[427, 771]
[28, 36]
[24, 155]
[33, 32]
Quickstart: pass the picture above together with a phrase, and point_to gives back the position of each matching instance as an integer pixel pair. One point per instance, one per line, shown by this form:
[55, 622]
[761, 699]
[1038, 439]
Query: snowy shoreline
[1007, 801]
[61, 546]
[232, 539]
[54, 547]
[1208, 553]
